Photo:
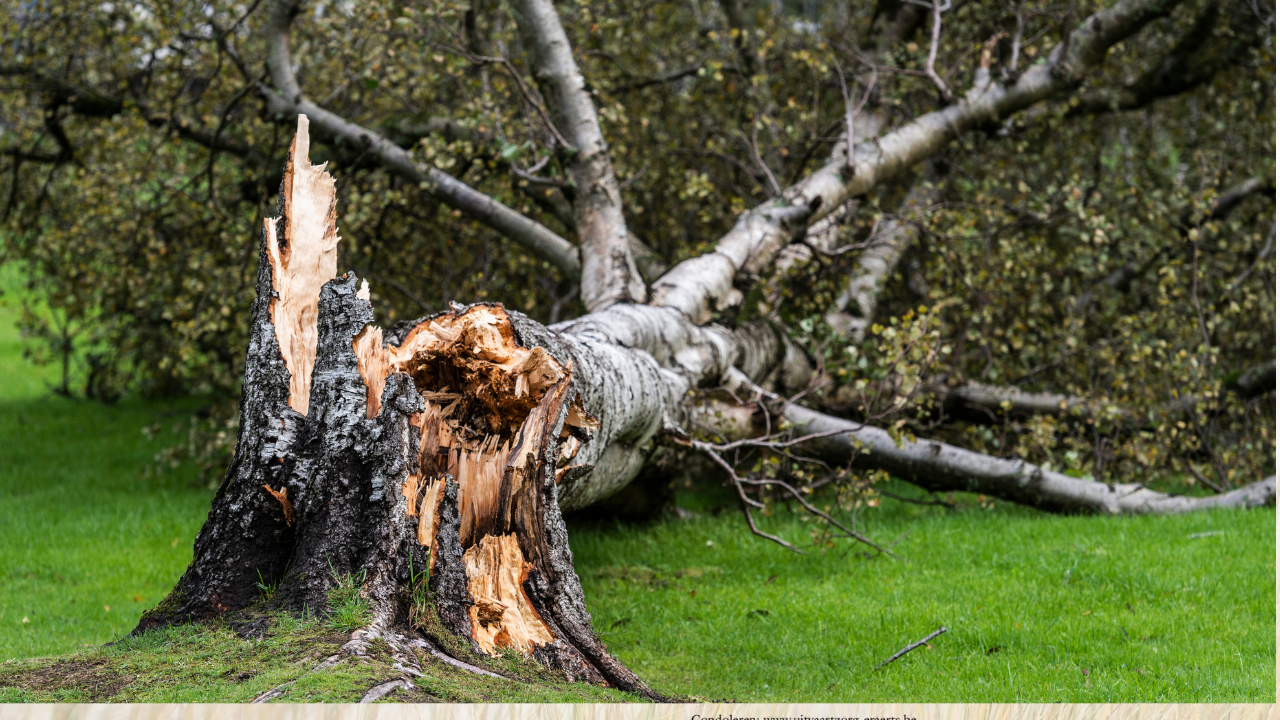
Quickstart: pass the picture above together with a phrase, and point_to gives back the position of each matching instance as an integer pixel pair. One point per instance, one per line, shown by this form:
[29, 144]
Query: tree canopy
[1106, 252]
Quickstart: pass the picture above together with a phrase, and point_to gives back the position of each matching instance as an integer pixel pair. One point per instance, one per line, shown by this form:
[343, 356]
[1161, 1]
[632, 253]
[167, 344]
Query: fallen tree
[432, 460]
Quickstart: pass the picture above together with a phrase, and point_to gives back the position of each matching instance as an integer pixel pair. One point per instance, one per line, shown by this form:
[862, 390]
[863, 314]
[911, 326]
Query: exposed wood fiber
[306, 260]
[502, 616]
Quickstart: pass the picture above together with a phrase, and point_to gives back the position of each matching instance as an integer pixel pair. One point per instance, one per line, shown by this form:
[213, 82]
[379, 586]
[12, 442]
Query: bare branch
[88, 102]
[624, 88]
[1186, 67]
[939, 467]
[713, 451]
[935, 31]
[1218, 209]
[856, 305]
[922, 641]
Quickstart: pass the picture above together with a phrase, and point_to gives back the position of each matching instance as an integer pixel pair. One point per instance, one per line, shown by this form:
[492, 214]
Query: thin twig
[1203, 480]
[1017, 41]
[747, 503]
[913, 646]
[851, 112]
[754, 146]
[751, 523]
[1262, 255]
[530, 176]
[936, 31]
[825, 516]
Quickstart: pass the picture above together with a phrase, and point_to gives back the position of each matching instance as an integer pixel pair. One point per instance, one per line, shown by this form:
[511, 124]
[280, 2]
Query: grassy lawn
[86, 544]
[1039, 608]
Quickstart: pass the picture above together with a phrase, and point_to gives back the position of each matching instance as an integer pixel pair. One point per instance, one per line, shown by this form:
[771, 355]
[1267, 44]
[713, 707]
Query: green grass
[215, 663]
[1031, 601]
[348, 610]
[86, 543]
[1038, 608]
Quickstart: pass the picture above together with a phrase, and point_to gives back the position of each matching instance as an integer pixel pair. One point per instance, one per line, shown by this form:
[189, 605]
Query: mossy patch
[237, 659]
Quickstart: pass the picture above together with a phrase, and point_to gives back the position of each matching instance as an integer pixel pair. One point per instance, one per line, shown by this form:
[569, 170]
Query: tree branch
[88, 102]
[1014, 401]
[1179, 71]
[609, 273]
[856, 306]
[939, 467]
[407, 131]
[286, 98]
[699, 286]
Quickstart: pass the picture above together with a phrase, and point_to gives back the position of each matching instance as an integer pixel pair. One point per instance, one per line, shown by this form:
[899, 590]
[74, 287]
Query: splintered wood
[283, 498]
[373, 364]
[305, 261]
[502, 615]
[491, 406]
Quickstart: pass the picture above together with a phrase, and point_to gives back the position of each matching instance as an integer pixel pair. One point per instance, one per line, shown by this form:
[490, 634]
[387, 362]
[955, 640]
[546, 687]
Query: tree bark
[855, 307]
[939, 467]
[440, 449]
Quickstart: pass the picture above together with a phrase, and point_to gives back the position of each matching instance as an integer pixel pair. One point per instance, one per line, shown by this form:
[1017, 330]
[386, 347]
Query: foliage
[208, 440]
[143, 238]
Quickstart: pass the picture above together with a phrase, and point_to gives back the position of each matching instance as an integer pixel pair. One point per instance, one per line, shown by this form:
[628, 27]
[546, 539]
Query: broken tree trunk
[433, 452]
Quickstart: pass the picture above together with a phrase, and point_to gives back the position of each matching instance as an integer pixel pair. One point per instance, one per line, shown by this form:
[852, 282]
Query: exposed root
[273, 693]
[405, 661]
[435, 652]
[377, 692]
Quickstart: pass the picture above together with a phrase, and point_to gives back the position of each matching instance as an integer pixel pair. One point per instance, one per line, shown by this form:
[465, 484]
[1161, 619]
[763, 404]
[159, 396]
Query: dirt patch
[90, 677]
[239, 676]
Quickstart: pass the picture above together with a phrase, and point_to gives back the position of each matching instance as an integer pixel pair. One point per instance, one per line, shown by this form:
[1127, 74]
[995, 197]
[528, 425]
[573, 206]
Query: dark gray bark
[246, 533]
[342, 491]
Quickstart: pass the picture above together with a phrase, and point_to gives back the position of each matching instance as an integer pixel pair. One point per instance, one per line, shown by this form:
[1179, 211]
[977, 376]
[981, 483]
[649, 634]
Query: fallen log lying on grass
[428, 464]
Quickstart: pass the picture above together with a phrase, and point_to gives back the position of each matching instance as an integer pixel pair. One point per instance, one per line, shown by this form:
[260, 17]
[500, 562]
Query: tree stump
[428, 454]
